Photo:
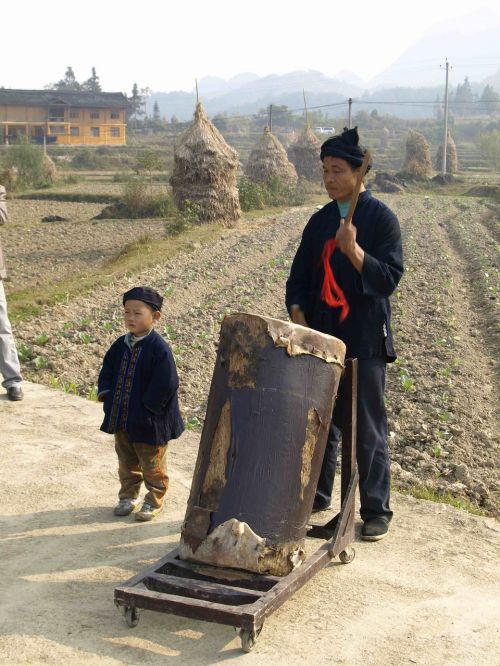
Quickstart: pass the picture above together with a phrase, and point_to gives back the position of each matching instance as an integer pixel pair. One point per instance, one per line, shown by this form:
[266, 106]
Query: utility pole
[445, 137]
[305, 107]
[349, 117]
[271, 118]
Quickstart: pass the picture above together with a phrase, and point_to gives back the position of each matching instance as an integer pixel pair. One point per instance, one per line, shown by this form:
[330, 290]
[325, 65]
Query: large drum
[262, 445]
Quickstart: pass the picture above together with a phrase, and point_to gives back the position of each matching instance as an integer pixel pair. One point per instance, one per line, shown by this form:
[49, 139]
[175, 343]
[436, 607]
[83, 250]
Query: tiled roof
[101, 100]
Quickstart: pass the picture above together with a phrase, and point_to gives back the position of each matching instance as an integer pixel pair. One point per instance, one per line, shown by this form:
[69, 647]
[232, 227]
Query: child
[138, 385]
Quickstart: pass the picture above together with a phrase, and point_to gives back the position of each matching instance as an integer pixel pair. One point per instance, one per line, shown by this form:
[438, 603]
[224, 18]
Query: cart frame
[239, 598]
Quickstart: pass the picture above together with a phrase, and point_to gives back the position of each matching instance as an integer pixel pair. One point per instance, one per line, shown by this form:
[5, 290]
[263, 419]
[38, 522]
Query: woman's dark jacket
[142, 385]
[367, 329]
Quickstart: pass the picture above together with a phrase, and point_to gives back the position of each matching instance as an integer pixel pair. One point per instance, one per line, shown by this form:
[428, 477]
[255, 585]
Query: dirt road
[428, 594]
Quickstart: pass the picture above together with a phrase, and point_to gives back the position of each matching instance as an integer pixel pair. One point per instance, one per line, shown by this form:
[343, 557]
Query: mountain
[246, 93]
[471, 43]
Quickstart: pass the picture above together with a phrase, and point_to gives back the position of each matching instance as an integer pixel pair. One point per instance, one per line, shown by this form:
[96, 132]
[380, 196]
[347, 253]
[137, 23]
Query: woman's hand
[346, 242]
[297, 315]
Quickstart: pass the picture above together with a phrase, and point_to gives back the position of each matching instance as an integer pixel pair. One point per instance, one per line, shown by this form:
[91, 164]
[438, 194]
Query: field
[67, 278]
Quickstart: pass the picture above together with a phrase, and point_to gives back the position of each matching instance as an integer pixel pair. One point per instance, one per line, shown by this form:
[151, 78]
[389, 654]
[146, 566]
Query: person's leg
[153, 460]
[372, 449]
[9, 361]
[129, 467]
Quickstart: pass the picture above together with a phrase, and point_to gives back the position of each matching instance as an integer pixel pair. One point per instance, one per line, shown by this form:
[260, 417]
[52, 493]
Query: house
[63, 117]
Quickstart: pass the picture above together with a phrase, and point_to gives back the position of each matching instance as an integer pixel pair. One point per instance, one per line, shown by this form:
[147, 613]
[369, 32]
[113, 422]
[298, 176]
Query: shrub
[135, 196]
[27, 161]
[490, 148]
[252, 195]
[184, 218]
[84, 159]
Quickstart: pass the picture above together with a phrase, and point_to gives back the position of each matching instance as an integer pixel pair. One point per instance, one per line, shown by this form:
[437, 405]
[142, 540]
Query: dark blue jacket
[142, 385]
[367, 329]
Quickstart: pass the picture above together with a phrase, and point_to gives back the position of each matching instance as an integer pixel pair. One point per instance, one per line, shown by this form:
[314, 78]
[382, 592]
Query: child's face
[139, 317]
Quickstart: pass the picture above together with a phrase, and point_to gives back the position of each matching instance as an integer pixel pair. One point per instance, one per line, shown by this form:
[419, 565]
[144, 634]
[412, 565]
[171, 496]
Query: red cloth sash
[331, 293]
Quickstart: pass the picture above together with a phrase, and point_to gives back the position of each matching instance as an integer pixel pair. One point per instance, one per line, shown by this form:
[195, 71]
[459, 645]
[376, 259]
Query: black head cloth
[146, 295]
[345, 146]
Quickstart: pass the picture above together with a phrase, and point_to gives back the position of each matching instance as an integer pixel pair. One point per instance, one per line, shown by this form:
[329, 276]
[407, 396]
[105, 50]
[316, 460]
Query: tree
[147, 162]
[135, 102]
[463, 98]
[490, 101]
[156, 112]
[93, 84]
[438, 109]
[69, 82]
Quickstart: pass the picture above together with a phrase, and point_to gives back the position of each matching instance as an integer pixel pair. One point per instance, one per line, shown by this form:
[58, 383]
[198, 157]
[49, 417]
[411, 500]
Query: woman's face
[339, 178]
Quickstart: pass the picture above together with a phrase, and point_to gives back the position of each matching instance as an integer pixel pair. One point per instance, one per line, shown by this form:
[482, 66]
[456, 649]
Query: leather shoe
[15, 393]
[375, 528]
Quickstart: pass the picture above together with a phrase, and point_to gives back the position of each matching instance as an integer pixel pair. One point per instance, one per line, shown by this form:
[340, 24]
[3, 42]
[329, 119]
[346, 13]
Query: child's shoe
[148, 511]
[126, 506]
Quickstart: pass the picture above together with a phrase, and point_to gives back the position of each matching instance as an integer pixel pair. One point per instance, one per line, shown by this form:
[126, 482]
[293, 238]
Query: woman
[367, 264]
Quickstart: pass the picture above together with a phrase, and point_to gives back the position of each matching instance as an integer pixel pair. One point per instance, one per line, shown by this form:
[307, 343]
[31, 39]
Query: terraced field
[442, 392]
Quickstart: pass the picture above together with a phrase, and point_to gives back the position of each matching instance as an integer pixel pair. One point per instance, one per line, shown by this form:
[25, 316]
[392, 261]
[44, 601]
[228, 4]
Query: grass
[133, 258]
[425, 493]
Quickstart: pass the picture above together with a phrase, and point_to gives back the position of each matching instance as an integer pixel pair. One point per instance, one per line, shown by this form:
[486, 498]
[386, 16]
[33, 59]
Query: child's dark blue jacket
[142, 385]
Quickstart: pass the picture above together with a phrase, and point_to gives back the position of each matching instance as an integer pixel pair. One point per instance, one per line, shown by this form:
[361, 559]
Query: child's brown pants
[139, 462]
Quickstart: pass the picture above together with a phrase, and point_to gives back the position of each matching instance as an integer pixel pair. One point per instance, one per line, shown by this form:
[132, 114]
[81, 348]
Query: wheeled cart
[239, 598]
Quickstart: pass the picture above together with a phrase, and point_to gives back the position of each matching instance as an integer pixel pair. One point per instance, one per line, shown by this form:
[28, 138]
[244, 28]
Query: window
[114, 115]
[95, 131]
[114, 131]
[57, 129]
[56, 113]
[74, 114]
[94, 114]
[75, 131]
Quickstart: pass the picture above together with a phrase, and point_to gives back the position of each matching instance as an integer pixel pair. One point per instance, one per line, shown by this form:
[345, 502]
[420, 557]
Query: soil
[442, 393]
[427, 594]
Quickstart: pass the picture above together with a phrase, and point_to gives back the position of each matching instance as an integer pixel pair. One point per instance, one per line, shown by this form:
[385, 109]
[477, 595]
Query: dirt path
[428, 594]
[443, 392]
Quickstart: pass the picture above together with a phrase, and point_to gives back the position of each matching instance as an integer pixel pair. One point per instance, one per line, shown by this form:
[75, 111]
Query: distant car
[324, 130]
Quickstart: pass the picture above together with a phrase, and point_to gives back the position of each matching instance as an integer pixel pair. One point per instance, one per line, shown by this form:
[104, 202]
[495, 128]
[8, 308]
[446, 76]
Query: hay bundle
[8, 177]
[205, 172]
[304, 155]
[451, 156]
[384, 138]
[418, 160]
[49, 169]
[268, 160]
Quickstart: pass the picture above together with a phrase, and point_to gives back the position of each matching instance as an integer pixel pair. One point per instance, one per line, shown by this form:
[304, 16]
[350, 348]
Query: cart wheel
[347, 555]
[249, 638]
[131, 616]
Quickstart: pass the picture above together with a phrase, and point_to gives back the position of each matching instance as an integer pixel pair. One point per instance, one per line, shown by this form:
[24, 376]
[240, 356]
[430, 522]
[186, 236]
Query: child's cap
[145, 294]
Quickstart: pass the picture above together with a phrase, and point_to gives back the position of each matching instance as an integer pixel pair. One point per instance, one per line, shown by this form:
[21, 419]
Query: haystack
[418, 160]
[304, 155]
[49, 169]
[205, 172]
[384, 138]
[451, 156]
[269, 160]
[8, 177]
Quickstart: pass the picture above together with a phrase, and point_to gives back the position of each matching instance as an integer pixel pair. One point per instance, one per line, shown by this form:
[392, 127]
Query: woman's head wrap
[345, 146]
[146, 295]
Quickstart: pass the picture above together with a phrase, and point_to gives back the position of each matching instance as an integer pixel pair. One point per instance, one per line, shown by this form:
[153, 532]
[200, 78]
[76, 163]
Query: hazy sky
[166, 45]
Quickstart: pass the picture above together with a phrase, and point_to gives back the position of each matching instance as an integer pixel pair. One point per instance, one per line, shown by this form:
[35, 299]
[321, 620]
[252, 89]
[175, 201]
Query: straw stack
[205, 172]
